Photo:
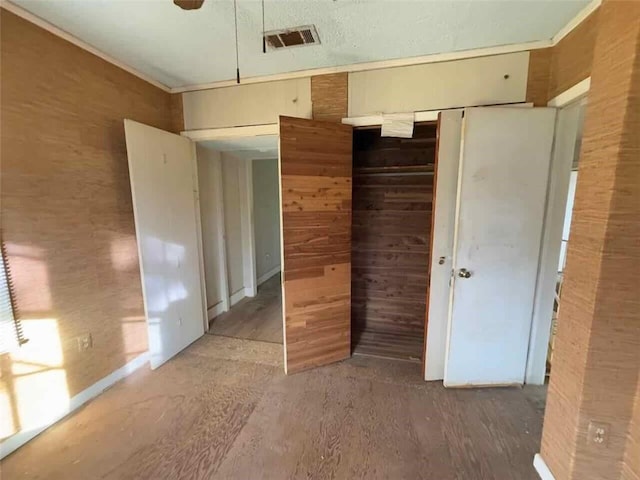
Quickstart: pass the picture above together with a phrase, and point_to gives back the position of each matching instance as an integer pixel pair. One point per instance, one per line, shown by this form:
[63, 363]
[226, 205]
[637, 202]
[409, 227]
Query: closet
[392, 205]
[356, 221]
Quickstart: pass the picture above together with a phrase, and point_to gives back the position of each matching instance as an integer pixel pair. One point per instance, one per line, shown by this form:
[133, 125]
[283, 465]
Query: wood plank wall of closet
[392, 206]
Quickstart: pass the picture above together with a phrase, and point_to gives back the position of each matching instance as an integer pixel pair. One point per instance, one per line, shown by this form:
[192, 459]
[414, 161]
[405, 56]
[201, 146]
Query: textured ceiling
[179, 48]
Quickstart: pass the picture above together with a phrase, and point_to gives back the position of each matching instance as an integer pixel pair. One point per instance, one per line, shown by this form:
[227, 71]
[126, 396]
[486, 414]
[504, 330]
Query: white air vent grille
[292, 37]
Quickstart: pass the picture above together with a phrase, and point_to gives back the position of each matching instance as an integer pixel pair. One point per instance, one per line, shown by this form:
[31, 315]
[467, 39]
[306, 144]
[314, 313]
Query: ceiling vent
[292, 37]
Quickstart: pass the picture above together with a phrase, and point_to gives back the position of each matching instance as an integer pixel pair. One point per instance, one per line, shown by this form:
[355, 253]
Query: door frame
[445, 198]
[196, 200]
[249, 272]
[541, 321]
[245, 180]
[558, 187]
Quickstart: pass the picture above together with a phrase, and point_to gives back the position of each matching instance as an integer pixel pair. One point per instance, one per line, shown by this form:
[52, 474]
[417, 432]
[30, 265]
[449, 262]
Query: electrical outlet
[599, 433]
[85, 342]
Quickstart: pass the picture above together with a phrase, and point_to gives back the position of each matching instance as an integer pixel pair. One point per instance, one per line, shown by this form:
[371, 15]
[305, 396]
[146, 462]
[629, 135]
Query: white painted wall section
[245, 182]
[241, 105]
[266, 208]
[437, 86]
[212, 218]
[233, 224]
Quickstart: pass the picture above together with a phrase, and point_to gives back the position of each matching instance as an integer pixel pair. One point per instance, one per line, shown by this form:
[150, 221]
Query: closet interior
[393, 182]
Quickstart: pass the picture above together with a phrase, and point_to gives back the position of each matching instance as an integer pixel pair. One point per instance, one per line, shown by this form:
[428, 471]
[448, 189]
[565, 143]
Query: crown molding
[575, 21]
[30, 17]
[358, 67]
[403, 62]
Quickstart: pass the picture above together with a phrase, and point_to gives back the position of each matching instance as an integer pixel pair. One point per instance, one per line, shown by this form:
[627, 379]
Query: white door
[502, 189]
[165, 204]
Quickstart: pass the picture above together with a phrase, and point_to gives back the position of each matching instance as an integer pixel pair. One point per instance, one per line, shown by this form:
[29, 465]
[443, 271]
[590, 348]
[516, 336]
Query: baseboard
[236, 297]
[249, 292]
[541, 467]
[14, 442]
[217, 309]
[263, 278]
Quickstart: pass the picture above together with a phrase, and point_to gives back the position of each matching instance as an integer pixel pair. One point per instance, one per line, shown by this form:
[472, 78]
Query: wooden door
[163, 187]
[502, 190]
[443, 228]
[315, 194]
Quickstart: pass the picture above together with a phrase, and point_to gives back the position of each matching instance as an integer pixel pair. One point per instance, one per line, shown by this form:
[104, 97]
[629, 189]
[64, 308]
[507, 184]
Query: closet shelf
[393, 169]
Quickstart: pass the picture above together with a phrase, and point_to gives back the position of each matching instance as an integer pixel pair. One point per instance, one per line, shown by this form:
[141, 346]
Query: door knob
[464, 273]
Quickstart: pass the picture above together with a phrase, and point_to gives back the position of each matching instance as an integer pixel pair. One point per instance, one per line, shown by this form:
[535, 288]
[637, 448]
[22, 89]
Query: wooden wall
[67, 216]
[572, 57]
[392, 206]
[631, 463]
[556, 69]
[329, 96]
[538, 77]
[596, 369]
[177, 113]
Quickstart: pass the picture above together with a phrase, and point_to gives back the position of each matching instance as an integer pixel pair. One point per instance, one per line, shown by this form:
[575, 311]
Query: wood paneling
[67, 217]
[392, 206]
[538, 78]
[315, 169]
[556, 69]
[329, 96]
[596, 364]
[177, 114]
[572, 57]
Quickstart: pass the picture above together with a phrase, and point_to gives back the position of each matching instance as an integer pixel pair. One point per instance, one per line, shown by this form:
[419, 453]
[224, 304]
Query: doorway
[240, 210]
[391, 241]
[569, 142]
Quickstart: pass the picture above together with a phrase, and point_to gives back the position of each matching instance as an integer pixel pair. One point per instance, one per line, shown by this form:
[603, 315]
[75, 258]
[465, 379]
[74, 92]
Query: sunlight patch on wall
[134, 336]
[34, 388]
[124, 253]
[34, 294]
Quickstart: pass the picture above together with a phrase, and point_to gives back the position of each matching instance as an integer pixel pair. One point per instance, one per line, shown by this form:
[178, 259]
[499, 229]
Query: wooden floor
[223, 409]
[258, 318]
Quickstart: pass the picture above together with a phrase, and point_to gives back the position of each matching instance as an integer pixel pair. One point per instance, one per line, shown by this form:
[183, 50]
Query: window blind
[11, 336]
